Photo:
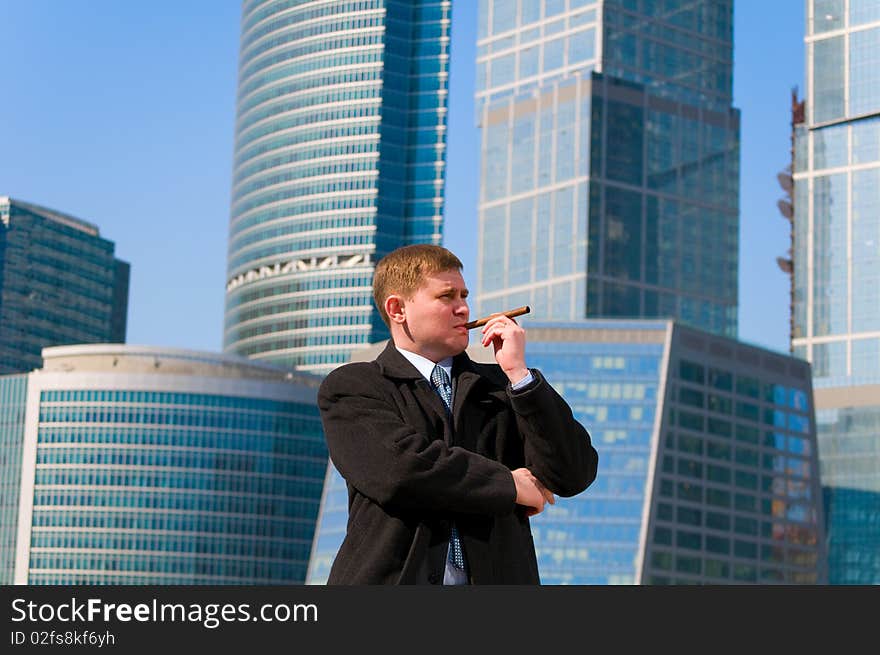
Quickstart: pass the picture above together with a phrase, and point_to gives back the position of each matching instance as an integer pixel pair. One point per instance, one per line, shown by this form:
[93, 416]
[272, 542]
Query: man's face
[435, 316]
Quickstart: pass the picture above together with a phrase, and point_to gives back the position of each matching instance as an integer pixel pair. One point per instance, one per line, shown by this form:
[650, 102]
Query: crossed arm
[394, 464]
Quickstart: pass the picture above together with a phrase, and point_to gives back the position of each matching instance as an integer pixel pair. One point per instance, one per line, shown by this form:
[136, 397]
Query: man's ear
[395, 308]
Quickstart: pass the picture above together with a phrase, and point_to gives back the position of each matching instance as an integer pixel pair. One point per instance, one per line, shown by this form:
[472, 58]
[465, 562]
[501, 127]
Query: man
[445, 459]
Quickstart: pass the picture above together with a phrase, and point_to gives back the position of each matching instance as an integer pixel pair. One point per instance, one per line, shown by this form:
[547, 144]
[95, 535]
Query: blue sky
[122, 113]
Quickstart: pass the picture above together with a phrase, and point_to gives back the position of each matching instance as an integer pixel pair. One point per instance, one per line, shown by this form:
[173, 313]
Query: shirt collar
[424, 365]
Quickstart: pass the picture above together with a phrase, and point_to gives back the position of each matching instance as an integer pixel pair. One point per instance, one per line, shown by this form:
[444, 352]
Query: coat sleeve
[558, 449]
[390, 462]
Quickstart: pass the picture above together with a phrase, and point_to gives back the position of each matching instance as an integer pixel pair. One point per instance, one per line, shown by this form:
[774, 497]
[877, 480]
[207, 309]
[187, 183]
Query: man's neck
[403, 343]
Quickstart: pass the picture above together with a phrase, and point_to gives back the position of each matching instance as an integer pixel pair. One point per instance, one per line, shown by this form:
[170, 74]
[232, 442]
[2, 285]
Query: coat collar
[392, 364]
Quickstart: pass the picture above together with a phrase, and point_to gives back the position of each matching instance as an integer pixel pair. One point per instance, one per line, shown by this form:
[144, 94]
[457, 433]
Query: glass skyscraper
[145, 465]
[837, 271]
[59, 284]
[708, 467]
[339, 159]
[609, 160]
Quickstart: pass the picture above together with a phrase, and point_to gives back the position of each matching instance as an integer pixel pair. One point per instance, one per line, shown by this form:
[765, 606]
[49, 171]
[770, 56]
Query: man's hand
[509, 340]
[530, 492]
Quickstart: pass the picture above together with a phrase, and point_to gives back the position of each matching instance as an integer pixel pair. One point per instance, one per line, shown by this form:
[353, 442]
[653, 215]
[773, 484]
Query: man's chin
[458, 345]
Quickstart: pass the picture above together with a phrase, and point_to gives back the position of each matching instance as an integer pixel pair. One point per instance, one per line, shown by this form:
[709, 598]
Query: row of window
[506, 15]
[305, 136]
[310, 208]
[716, 427]
[311, 285]
[744, 411]
[299, 226]
[364, 163]
[296, 466]
[306, 304]
[797, 512]
[831, 146]
[43, 323]
[246, 482]
[292, 525]
[313, 145]
[724, 571]
[307, 441]
[195, 564]
[361, 315]
[722, 450]
[336, 87]
[201, 400]
[722, 546]
[355, 23]
[745, 385]
[225, 419]
[208, 545]
[320, 338]
[329, 113]
[188, 501]
[94, 298]
[256, 11]
[706, 31]
[83, 277]
[336, 94]
[147, 577]
[329, 70]
[310, 187]
[529, 37]
[63, 238]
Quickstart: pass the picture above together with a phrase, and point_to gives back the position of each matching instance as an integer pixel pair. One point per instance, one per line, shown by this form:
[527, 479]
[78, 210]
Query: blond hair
[403, 271]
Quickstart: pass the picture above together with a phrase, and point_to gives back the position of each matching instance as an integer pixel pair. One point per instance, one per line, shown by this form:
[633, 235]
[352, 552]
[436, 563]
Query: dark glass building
[59, 284]
[610, 160]
[339, 158]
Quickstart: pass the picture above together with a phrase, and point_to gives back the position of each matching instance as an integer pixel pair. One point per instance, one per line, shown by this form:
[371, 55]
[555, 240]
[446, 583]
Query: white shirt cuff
[526, 380]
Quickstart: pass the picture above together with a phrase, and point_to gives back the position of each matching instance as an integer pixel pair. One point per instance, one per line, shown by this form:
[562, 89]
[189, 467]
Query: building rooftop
[125, 358]
[53, 215]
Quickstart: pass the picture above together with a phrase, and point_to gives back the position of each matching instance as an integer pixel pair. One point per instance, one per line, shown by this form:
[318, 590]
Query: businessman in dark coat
[440, 485]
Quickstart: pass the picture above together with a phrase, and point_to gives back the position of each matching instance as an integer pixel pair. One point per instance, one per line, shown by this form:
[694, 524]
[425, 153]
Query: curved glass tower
[339, 159]
[148, 465]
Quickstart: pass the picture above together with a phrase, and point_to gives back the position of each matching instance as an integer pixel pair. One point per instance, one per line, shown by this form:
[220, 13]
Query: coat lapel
[466, 380]
[394, 365]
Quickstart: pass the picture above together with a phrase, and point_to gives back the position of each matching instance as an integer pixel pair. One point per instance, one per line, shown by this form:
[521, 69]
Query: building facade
[13, 397]
[837, 271]
[609, 160]
[708, 467]
[339, 159]
[59, 284]
[143, 465]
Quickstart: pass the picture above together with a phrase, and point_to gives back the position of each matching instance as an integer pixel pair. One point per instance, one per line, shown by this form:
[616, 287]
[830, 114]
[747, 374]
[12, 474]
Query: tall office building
[59, 284]
[837, 271]
[708, 471]
[609, 160]
[339, 158]
[144, 465]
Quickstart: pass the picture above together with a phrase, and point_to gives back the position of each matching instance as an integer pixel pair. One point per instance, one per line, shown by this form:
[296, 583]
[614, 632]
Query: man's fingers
[548, 495]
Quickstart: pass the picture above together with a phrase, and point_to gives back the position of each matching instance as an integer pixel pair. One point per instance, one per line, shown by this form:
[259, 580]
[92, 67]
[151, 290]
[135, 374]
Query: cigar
[519, 311]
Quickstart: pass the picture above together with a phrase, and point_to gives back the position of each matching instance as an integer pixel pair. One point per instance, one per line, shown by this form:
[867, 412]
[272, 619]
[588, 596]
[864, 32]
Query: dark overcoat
[410, 468]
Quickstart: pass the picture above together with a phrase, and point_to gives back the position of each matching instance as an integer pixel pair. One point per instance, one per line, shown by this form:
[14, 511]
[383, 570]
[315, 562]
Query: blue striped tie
[441, 382]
